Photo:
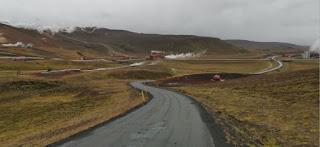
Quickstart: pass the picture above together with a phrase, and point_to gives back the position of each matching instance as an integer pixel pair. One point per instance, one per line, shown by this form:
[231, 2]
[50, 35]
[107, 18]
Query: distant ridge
[143, 43]
[122, 41]
[264, 45]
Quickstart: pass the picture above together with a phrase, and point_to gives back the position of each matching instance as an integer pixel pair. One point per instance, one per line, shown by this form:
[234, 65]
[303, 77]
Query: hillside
[103, 43]
[143, 43]
[269, 48]
[265, 110]
[44, 44]
[263, 45]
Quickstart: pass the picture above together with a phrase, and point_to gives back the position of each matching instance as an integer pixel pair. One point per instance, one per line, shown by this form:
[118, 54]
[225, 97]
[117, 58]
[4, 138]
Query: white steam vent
[18, 44]
[316, 46]
[2, 39]
[184, 55]
[137, 64]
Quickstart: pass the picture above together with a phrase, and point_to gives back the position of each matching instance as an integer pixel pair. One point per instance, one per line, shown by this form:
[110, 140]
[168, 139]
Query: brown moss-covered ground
[265, 110]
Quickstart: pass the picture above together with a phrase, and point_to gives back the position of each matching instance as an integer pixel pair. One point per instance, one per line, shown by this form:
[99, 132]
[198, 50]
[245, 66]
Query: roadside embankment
[270, 109]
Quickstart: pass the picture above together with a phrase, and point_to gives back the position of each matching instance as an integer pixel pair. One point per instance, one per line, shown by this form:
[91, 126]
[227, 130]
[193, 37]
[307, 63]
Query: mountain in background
[131, 42]
[264, 45]
[101, 42]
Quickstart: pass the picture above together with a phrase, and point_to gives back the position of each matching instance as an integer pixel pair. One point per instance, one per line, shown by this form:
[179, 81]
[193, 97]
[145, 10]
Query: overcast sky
[294, 21]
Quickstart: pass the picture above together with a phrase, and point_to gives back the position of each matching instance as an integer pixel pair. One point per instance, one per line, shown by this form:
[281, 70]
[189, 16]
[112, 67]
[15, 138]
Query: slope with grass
[265, 110]
[264, 45]
[36, 113]
[39, 110]
[101, 42]
[138, 43]
[269, 47]
[46, 44]
[54, 65]
[193, 67]
[296, 65]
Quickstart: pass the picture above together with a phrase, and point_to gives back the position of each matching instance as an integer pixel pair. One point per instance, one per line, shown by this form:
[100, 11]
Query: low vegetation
[54, 65]
[37, 111]
[138, 43]
[139, 74]
[265, 110]
[192, 67]
[296, 65]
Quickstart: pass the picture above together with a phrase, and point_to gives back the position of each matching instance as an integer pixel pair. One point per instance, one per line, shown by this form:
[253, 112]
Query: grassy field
[36, 112]
[192, 67]
[53, 64]
[140, 73]
[265, 110]
[296, 65]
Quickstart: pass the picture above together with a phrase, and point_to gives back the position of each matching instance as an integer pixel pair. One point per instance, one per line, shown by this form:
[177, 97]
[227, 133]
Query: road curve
[274, 58]
[169, 119]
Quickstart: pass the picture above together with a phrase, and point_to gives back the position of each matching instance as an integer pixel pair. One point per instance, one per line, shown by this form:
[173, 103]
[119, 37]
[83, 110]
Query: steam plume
[185, 55]
[316, 46]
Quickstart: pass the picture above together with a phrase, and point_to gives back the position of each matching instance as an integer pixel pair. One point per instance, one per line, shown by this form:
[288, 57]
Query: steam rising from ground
[316, 46]
[137, 64]
[2, 39]
[184, 55]
[18, 44]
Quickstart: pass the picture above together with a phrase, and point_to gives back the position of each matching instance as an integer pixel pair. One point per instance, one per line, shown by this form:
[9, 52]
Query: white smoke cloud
[157, 52]
[18, 44]
[54, 28]
[316, 46]
[137, 64]
[183, 55]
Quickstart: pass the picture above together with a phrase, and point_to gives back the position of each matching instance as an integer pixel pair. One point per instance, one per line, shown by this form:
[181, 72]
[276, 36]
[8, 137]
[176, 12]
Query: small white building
[305, 55]
[309, 54]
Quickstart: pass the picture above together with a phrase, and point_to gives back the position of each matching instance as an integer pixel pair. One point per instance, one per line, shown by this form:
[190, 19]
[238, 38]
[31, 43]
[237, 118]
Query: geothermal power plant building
[309, 54]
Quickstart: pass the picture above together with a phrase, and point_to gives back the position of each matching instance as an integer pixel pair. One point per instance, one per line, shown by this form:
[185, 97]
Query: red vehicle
[216, 78]
[155, 57]
[285, 55]
[38, 72]
[16, 59]
[86, 58]
[67, 71]
[126, 57]
[292, 55]
[288, 55]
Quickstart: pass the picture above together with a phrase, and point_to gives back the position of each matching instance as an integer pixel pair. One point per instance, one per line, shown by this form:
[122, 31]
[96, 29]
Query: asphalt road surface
[169, 119]
[274, 58]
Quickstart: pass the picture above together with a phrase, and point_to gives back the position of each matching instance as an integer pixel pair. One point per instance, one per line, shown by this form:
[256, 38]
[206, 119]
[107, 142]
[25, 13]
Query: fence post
[144, 100]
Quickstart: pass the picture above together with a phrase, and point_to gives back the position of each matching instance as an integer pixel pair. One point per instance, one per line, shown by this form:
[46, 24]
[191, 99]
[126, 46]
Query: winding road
[274, 58]
[169, 119]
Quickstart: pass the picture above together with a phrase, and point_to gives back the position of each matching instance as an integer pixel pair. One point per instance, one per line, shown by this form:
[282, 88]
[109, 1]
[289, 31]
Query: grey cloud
[294, 21]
